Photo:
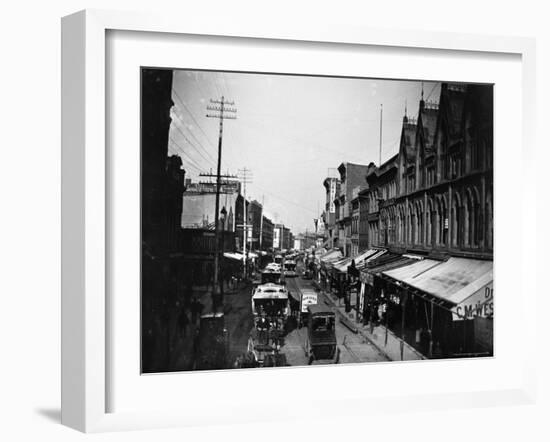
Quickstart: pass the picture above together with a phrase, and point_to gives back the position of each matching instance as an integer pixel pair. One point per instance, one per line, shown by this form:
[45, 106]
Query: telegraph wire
[285, 200]
[199, 126]
[182, 150]
[193, 118]
[210, 162]
[195, 138]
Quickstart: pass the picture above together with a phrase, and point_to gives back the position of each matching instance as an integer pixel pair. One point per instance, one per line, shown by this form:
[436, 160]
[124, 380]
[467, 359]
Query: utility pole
[245, 178]
[380, 154]
[261, 224]
[222, 112]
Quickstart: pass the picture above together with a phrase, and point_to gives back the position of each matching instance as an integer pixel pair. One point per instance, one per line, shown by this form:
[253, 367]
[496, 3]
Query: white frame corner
[84, 187]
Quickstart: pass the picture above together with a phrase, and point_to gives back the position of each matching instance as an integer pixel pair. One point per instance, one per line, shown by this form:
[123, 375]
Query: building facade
[162, 183]
[436, 196]
[431, 208]
[266, 234]
[352, 179]
[332, 188]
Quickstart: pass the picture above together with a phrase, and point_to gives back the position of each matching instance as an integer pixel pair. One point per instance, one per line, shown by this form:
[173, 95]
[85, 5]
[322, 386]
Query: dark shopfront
[426, 322]
[347, 280]
[368, 302]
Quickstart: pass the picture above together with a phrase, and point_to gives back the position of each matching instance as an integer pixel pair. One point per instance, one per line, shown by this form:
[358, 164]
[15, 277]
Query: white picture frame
[85, 350]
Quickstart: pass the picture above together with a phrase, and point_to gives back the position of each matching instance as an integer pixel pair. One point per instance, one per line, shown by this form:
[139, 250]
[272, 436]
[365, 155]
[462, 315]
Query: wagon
[321, 346]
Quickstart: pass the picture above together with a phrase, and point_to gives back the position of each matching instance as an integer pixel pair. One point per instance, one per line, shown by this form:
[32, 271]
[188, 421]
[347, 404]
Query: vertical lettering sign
[332, 196]
[362, 297]
[276, 238]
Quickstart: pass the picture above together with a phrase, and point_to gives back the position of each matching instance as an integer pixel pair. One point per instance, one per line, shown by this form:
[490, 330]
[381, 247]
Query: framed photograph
[264, 215]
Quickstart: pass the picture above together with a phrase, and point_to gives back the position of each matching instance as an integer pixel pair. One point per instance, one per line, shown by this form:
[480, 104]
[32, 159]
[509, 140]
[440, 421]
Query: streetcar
[272, 275]
[289, 268]
[271, 310]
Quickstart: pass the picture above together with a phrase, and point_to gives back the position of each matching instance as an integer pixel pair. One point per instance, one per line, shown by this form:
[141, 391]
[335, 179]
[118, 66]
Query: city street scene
[292, 220]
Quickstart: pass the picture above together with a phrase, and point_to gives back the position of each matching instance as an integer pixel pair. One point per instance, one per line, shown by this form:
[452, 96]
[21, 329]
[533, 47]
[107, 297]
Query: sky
[291, 132]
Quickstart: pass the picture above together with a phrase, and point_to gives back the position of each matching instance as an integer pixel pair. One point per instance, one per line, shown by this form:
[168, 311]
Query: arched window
[456, 226]
[412, 222]
[473, 218]
[399, 225]
[403, 225]
[392, 225]
[489, 220]
[383, 228]
[466, 218]
[420, 223]
[429, 225]
[442, 221]
[437, 222]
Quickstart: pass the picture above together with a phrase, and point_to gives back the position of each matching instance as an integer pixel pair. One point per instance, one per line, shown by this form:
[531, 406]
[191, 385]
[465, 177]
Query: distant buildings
[199, 202]
[303, 241]
[198, 213]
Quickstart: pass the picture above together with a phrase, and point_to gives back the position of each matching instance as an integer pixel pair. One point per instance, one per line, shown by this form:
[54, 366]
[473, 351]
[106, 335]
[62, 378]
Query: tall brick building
[430, 208]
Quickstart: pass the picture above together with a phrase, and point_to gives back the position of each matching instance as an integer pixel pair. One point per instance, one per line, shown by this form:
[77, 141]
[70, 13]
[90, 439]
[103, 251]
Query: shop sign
[480, 304]
[332, 196]
[362, 297]
[308, 298]
[276, 238]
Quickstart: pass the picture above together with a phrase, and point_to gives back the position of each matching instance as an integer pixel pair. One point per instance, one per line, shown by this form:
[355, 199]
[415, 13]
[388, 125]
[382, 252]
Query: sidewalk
[182, 357]
[391, 349]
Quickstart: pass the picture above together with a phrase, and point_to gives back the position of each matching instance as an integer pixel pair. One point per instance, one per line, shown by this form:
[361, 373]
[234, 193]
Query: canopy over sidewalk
[332, 255]
[465, 283]
[343, 264]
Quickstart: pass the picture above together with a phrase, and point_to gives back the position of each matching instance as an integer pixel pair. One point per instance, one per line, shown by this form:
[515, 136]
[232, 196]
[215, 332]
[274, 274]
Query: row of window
[452, 165]
[468, 223]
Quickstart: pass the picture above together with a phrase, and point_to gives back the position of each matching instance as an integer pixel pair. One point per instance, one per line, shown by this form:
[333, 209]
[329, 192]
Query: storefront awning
[361, 259]
[340, 265]
[239, 256]
[466, 284]
[332, 255]
[454, 280]
[396, 261]
[320, 251]
[410, 272]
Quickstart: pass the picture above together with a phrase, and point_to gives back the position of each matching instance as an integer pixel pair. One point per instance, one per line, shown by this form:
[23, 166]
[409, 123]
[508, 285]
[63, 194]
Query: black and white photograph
[296, 220]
